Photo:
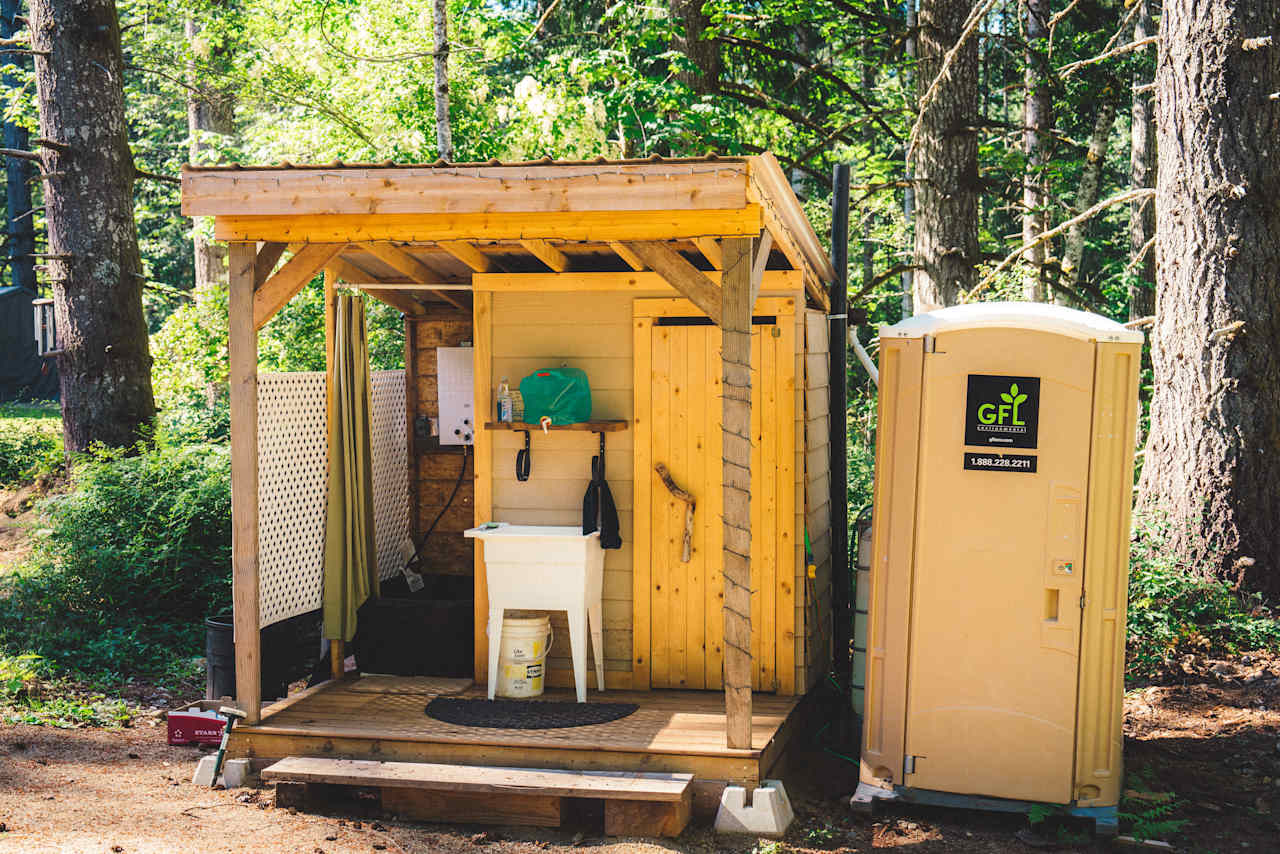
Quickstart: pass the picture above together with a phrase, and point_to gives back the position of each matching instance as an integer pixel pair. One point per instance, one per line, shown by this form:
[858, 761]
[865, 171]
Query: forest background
[1000, 149]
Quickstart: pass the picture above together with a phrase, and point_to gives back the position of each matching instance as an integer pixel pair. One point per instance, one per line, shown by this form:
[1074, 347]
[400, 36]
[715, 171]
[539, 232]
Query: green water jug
[559, 393]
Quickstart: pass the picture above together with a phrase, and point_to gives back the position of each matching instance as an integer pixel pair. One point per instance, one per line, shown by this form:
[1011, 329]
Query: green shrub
[1173, 610]
[30, 442]
[131, 562]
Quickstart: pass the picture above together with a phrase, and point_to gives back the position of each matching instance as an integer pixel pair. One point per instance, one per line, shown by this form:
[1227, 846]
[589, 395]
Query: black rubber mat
[525, 714]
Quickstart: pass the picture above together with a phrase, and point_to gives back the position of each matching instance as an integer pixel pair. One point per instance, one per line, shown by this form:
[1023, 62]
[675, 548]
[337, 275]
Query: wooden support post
[242, 352]
[337, 653]
[735, 328]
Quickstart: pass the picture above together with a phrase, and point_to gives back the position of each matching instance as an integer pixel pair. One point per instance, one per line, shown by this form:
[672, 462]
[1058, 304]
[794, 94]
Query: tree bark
[1211, 464]
[946, 160]
[105, 365]
[21, 227]
[692, 22]
[210, 110]
[444, 131]
[1037, 121]
[1142, 173]
[1087, 193]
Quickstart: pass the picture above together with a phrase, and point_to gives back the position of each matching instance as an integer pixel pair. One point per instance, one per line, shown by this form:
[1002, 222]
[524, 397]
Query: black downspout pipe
[842, 578]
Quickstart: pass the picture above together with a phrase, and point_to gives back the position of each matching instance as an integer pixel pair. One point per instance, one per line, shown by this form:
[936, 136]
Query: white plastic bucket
[522, 660]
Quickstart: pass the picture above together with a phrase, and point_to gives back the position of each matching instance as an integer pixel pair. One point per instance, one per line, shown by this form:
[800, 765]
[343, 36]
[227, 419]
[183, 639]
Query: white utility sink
[546, 568]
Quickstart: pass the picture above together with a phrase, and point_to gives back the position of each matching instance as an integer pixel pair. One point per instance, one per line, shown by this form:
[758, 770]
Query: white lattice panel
[390, 471]
[293, 484]
[292, 449]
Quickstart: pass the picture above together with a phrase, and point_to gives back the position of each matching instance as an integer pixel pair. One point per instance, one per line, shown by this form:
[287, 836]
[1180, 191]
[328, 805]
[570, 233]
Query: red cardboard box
[195, 727]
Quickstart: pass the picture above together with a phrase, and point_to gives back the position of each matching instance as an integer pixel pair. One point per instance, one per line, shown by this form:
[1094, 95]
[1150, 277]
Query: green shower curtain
[350, 570]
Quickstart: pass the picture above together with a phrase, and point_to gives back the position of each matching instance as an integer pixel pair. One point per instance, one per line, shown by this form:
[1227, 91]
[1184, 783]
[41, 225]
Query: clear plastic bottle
[504, 401]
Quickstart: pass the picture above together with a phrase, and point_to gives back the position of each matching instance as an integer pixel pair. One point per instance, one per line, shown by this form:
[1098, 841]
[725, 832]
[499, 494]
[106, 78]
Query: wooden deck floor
[681, 731]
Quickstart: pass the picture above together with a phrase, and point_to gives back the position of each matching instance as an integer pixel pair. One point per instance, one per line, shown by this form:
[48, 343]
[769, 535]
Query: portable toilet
[1000, 558]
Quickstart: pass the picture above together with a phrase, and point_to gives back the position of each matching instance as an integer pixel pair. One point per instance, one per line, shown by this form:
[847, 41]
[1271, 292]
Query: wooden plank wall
[437, 470]
[814, 645]
[591, 331]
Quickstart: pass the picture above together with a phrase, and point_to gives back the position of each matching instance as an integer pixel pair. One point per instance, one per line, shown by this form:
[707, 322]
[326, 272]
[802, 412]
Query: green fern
[1149, 820]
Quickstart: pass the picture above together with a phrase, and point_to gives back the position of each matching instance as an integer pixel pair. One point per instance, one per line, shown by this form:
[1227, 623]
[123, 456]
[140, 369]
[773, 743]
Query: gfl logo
[1006, 412]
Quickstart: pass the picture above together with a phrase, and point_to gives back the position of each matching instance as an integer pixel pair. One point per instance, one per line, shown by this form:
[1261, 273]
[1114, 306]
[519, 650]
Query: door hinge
[1082, 601]
[930, 343]
[908, 766]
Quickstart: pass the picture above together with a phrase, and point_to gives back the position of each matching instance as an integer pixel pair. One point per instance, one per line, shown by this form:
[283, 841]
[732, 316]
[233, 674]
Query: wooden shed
[660, 279]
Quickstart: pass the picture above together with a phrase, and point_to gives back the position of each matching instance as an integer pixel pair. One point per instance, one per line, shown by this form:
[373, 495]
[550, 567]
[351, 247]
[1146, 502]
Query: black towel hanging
[598, 510]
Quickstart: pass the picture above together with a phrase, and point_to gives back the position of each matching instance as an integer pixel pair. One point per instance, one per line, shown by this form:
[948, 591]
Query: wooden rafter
[419, 273]
[683, 276]
[632, 259]
[548, 254]
[470, 255]
[710, 249]
[403, 300]
[268, 256]
[276, 291]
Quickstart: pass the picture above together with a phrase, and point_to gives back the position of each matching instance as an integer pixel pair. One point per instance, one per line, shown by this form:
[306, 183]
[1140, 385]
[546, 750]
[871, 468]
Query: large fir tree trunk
[444, 131]
[1037, 119]
[1213, 459]
[1087, 194]
[946, 160]
[1142, 173]
[18, 172]
[703, 53]
[210, 110]
[105, 366]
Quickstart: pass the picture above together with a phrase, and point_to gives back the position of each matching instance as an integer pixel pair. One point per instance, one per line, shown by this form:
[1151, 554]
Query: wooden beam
[482, 500]
[547, 254]
[514, 188]
[468, 254]
[394, 256]
[632, 259]
[402, 300]
[268, 256]
[337, 651]
[710, 249]
[683, 276]
[764, 245]
[276, 291]
[646, 283]
[242, 353]
[735, 350]
[556, 225]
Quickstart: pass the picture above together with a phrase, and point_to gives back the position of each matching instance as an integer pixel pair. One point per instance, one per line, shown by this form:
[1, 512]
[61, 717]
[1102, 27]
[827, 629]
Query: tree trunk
[946, 160]
[210, 110]
[21, 228]
[1087, 193]
[1037, 120]
[1142, 173]
[1212, 465]
[909, 175]
[444, 133]
[105, 366]
[692, 23]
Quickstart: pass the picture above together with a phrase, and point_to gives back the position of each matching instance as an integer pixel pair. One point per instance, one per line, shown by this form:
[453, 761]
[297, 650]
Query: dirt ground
[1210, 735]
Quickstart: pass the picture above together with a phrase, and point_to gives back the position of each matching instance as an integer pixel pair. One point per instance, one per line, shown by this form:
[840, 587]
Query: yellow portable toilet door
[995, 623]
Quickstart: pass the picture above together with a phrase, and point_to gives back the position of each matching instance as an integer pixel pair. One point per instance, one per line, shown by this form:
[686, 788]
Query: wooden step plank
[625, 785]
[645, 818]
[474, 807]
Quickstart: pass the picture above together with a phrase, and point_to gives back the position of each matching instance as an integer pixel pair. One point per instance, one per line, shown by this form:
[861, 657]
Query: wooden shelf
[612, 426]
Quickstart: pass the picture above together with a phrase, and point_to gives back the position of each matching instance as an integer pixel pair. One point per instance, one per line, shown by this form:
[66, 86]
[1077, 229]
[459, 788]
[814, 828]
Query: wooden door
[678, 412]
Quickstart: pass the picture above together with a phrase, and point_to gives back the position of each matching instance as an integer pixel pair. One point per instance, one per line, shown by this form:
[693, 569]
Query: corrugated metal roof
[545, 161]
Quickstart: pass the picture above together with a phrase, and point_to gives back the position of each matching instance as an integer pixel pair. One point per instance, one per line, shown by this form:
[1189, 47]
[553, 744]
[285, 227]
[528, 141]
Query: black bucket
[285, 649]
[219, 657]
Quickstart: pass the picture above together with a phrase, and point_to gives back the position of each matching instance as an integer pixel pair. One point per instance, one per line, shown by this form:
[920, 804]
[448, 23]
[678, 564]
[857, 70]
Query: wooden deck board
[671, 731]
